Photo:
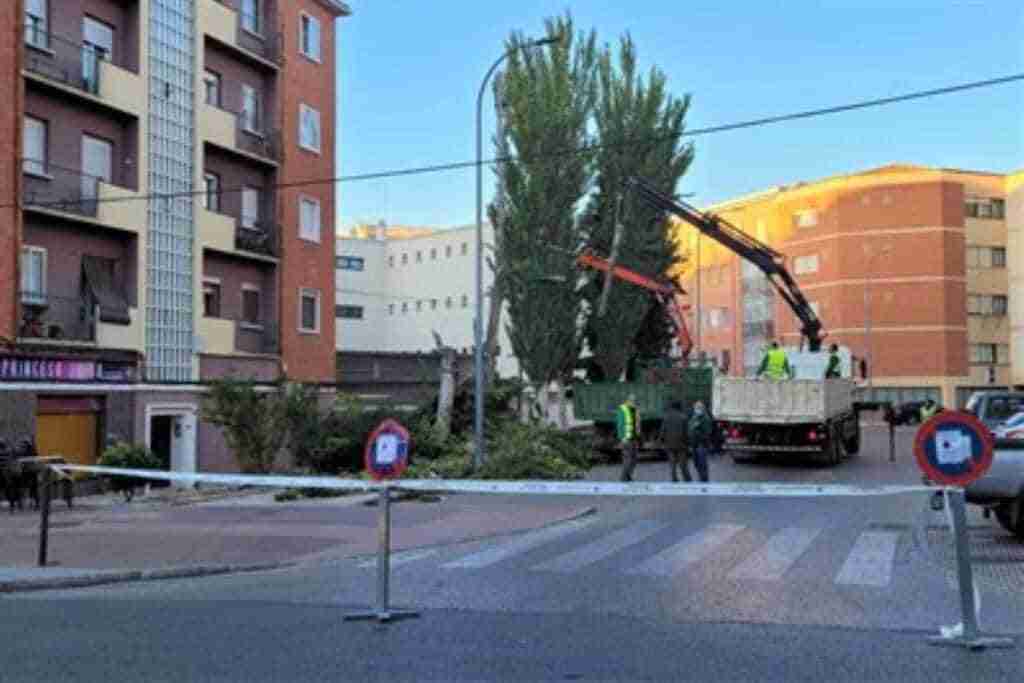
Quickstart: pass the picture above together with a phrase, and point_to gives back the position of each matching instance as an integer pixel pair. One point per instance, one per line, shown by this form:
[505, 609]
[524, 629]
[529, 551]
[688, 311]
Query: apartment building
[393, 292]
[145, 245]
[906, 265]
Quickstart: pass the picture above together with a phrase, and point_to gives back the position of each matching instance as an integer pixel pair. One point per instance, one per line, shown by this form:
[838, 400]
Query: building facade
[393, 294]
[146, 245]
[905, 265]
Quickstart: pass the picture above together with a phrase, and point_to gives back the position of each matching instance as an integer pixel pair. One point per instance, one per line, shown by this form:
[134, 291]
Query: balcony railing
[46, 316]
[60, 189]
[62, 60]
[253, 38]
[251, 139]
[257, 339]
[260, 237]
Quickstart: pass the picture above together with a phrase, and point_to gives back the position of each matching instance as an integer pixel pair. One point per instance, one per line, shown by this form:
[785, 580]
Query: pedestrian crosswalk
[650, 548]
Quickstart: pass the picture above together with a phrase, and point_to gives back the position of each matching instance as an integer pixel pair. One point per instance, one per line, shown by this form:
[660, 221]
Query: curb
[105, 577]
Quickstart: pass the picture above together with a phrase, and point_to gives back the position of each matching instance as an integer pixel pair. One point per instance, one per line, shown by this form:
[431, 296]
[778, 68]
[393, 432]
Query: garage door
[70, 428]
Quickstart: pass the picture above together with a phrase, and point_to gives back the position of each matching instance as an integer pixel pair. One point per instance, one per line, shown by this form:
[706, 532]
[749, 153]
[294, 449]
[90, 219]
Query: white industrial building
[392, 294]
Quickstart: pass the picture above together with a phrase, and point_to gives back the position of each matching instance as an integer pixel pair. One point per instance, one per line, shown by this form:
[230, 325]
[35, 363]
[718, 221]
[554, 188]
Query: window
[211, 191]
[309, 219]
[1003, 354]
[309, 37]
[309, 128]
[981, 207]
[251, 20]
[405, 259]
[998, 208]
[97, 165]
[433, 304]
[419, 306]
[309, 310]
[349, 312]
[805, 219]
[211, 298]
[211, 83]
[33, 275]
[447, 302]
[464, 249]
[419, 257]
[433, 254]
[350, 263]
[984, 304]
[465, 301]
[250, 207]
[804, 265]
[998, 257]
[391, 309]
[448, 251]
[35, 134]
[983, 354]
[97, 44]
[251, 305]
[250, 109]
[37, 23]
[391, 261]
[999, 304]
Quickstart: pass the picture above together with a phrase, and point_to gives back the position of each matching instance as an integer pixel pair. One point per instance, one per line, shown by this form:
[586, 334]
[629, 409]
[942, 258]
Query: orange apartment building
[145, 245]
[905, 265]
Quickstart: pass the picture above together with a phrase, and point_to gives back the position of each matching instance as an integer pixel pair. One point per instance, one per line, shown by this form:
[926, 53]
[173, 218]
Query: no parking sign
[953, 448]
[387, 450]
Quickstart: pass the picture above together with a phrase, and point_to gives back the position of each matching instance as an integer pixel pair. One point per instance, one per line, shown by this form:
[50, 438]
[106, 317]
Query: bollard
[44, 478]
[971, 637]
[383, 613]
[892, 441]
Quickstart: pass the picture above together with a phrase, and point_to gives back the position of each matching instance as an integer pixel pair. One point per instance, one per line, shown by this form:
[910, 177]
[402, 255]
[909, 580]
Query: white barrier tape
[556, 488]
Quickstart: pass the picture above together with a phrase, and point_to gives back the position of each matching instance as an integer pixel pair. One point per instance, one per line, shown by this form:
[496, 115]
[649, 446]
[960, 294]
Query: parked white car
[1002, 488]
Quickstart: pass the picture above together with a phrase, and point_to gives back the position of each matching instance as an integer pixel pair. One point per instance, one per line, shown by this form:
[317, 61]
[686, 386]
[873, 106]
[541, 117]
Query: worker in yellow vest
[929, 410]
[627, 426]
[775, 364]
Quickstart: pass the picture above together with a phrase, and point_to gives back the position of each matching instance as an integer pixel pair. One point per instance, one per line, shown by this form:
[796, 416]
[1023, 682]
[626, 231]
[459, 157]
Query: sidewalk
[104, 542]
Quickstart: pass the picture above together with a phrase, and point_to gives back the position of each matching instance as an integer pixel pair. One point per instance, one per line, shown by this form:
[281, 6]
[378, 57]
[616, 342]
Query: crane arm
[766, 259]
[668, 293]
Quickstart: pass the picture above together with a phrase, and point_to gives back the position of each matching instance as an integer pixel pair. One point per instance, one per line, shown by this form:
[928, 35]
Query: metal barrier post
[43, 482]
[383, 613]
[971, 637]
[892, 441]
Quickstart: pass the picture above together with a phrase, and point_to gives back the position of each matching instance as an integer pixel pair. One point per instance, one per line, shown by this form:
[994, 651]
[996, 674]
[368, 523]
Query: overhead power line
[696, 132]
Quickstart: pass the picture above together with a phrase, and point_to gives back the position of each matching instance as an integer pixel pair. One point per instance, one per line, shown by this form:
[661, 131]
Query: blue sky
[409, 71]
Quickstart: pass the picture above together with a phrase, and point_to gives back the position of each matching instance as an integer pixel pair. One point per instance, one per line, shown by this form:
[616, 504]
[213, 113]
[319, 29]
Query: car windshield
[1014, 421]
[972, 404]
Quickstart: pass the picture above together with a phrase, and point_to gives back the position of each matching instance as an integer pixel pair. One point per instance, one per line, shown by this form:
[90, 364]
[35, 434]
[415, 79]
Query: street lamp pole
[478, 321]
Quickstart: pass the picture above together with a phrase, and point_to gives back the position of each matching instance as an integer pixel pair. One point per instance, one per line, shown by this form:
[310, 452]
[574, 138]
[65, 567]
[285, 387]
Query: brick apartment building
[115, 304]
[905, 265]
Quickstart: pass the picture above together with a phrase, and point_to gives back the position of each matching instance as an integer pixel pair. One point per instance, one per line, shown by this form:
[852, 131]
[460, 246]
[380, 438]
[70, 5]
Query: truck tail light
[813, 435]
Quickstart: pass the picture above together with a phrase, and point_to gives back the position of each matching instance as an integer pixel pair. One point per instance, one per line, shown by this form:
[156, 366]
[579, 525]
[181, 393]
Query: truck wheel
[1011, 516]
[741, 458]
[835, 451]
[853, 444]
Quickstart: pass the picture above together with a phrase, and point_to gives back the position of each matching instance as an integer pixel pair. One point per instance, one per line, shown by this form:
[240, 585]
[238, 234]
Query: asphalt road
[822, 589]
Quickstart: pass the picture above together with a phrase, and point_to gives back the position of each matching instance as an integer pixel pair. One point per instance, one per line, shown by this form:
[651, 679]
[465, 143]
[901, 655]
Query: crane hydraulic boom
[668, 293]
[769, 261]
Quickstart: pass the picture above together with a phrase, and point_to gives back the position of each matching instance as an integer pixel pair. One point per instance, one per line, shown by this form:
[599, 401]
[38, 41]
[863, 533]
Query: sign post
[954, 449]
[386, 457]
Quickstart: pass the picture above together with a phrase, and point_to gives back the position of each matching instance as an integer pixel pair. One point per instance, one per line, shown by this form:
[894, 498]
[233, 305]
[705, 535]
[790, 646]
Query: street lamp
[867, 307]
[478, 333]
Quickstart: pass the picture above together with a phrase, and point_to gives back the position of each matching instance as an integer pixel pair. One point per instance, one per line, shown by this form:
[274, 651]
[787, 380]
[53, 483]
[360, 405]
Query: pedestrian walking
[673, 441]
[700, 432]
[627, 426]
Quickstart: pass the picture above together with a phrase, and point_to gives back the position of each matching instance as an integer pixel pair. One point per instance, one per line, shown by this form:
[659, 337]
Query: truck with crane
[806, 414]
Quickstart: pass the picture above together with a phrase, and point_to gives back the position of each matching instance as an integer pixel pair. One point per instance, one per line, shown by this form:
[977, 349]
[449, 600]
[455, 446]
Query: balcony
[227, 234]
[50, 318]
[231, 131]
[72, 194]
[225, 337]
[82, 70]
[246, 33]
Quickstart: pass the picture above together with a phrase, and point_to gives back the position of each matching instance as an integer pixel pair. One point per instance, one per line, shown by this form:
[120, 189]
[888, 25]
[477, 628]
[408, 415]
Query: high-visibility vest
[776, 368]
[928, 413]
[629, 428]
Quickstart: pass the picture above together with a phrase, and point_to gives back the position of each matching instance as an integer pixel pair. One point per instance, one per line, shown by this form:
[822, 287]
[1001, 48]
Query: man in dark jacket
[673, 440]
[700, 432]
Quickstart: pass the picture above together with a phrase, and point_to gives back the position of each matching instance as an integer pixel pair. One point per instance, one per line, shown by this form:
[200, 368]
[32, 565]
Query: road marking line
[516, 546]
[398, 559]
[604, 547]
[691, 549]
[870, 562]
[777, 555]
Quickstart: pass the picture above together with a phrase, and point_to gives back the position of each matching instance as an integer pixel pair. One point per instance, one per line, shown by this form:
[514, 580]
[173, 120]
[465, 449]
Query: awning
[98, 274]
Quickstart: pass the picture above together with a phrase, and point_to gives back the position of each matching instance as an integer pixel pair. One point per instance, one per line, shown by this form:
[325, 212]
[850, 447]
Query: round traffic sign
[953, 448]
[387, 450]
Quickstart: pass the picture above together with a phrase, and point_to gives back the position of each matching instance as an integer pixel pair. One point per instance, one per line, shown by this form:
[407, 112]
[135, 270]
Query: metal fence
[262, 143]
[61, 59]
[260, 238]
[263, 339]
